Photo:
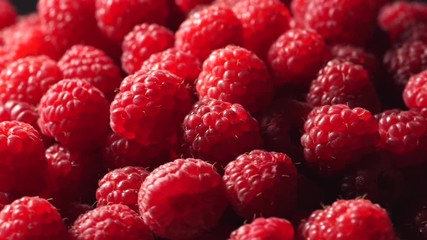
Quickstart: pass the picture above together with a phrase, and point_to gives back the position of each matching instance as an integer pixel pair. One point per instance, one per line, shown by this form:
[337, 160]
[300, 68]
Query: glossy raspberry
[142, 42]
[348, 219]
[180, 63]
[252, 182]
[218, 131]
[335, 137]
[182, 199]
[415, 93]
[358, 56]
[110, 222]
[208, 29]
[31, 218]
[121, 186]
[265, 228]
[92, 65]
[27, 79]
[236, 75]
[75, 113]
[342, 82]
[8, 14]
[296, 56]
[150, 107]
[19, 111]
[116, 18]
[263, 21]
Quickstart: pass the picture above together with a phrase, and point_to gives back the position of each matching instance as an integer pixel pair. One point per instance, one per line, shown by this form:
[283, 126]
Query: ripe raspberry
[349, 219]
[263, 21]
[236, 75]
[31, 218]
[116, 18]
[342, 82]
[265, 228]
[8, 14]
[182, 199]
[110, 222]
[150, 107]
[336, 136]
[207, 30]
[121, 186]
[142, 42]
[414, 94]
[92, 65]
[218, 131]
[75, 113]
[19, 111]
[27, 79]
[180, 63]
[252, 182]
[296, 56]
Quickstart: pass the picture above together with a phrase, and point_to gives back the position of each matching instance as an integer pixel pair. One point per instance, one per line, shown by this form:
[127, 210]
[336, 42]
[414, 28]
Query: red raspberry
[252, 182]
[19, 111]
[234, 74]
[31, 218]
[207, 30]
[92, 65]
[110, 222]
[8, 14]
[415, 93]
[27, 79]
[116, 18]
[263, 21]
[349, 219]
[121, 186]
[296, 56]
[180, 63]
[299, 7]
[342, 82]
[265, 228]
[182, 199]
[336, 136]
[186, 6]
[225, 3]
[142, 42]
[150, 107]
[218, 131]
[75, 113]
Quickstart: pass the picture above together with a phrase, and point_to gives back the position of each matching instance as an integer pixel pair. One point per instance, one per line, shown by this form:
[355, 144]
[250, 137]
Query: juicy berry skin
[19, 111]
[182, 199]
[75, 113]
[150, 107]
[110, 222]
[8, 15]
[218, 131]
[265, 228]
[261, 183]
[31, 218]
[27, 79]
[121, 186]
[208, 29]
[236, 75]
[141, 42]
[415, 93]
[357, 219]
[335, 136]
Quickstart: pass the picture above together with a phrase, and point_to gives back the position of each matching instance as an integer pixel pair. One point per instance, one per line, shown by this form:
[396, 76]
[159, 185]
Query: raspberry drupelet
[19, 111]
[182, 199]
[265, 228]
[415, 93]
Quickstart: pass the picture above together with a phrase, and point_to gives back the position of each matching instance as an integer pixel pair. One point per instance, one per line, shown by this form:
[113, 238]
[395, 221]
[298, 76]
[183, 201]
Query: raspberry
[19, 111]
[342, 82]
[336, 136]
[121, 186]
[92, 65]
[252, 180]
[110, 222]
[349, 219]
[27, 79]
[218, 131]
[150, 107]
[141, 42]
[414, 94]
[296, 56]
[234, 74]
[265, 228]
[8, 14]
[207, 30]
[187, 5]
[116, 18]
[263, 21]
[31, 218]
[75, 113]
[182, 199]
[180, 63]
